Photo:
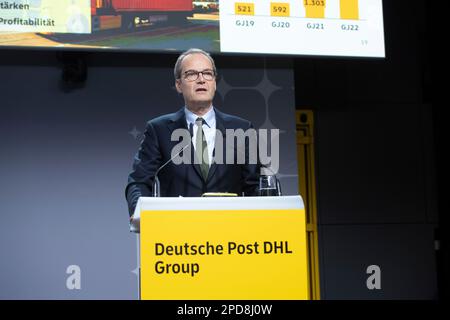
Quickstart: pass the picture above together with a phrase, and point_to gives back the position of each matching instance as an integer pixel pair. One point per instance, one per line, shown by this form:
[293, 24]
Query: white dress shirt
[209, 129]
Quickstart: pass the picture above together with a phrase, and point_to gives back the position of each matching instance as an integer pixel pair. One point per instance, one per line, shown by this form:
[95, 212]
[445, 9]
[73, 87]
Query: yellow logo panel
[224, 255]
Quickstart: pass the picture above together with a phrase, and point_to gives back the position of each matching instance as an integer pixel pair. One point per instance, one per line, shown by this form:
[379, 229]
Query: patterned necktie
[201, 148]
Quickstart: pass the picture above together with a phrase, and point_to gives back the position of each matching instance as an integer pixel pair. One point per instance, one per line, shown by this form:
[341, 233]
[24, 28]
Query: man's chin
[202, 96]
[200, 104]
[202, 100]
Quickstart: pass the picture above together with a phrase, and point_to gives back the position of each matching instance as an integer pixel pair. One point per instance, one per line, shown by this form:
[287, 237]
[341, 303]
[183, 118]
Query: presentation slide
[346, 28]
[310, 27]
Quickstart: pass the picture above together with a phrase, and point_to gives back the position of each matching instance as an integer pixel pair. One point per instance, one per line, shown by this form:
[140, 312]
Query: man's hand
[131, 219]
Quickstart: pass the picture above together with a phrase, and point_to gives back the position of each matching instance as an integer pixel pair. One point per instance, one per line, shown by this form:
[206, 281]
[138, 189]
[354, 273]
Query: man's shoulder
[233, 120]
[165, 118]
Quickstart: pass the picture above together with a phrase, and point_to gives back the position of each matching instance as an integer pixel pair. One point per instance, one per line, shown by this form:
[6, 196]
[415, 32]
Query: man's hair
[178, 64]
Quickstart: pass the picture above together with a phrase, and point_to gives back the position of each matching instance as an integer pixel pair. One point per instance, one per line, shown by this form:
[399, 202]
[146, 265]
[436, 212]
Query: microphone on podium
[156, 190]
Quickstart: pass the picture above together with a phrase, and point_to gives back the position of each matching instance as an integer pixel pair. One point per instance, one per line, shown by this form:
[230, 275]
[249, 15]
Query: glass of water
[267, 186]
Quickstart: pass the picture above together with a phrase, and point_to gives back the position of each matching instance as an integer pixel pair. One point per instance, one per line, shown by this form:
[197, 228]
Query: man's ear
[178, 85]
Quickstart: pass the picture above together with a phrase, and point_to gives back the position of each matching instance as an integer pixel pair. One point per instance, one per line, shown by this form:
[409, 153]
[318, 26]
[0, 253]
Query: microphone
[156, 192]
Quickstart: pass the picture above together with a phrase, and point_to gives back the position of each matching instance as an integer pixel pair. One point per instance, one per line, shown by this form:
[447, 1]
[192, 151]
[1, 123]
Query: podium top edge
[225, 203]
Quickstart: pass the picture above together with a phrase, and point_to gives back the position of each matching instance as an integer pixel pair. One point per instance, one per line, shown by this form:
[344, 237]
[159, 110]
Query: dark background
[378, 140]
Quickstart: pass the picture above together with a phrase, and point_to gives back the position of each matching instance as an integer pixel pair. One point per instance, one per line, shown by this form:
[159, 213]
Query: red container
[151, 5]
[93, 7]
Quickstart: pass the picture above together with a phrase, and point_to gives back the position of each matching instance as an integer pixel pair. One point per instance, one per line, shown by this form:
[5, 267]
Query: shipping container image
[136, 25]
[130, 14]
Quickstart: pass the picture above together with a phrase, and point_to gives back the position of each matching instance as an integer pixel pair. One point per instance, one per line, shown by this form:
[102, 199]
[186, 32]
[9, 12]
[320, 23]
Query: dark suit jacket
[186, 179]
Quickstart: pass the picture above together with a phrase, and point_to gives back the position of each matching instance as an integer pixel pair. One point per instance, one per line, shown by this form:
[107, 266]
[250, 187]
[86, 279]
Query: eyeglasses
[192, 75]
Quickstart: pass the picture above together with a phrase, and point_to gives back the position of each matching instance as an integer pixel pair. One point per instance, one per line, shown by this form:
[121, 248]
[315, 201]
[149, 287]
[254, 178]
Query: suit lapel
[177, 121]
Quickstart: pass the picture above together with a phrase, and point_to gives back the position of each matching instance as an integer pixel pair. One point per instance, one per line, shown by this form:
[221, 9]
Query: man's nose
[200, 77]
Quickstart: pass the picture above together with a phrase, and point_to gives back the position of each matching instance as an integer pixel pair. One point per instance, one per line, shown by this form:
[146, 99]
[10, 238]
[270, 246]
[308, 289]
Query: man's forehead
[196, 59]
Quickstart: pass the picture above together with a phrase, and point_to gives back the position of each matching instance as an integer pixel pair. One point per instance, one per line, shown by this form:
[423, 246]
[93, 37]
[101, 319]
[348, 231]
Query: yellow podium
[231, 248]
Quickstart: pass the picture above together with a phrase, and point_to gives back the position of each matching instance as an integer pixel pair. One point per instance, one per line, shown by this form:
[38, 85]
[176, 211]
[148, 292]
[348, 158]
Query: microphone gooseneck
[156, 192]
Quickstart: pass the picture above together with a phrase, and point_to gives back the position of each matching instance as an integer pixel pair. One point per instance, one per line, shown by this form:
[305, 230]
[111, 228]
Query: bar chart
[303, 27]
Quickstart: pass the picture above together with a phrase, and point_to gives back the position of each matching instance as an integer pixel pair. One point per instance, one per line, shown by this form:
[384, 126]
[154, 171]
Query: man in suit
[195, 78]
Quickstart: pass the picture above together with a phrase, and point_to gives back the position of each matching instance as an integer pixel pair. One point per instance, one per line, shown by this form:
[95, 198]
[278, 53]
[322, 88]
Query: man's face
[197, 93]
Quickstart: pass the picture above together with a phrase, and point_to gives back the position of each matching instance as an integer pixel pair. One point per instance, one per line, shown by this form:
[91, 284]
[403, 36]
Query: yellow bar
[349, 9]
[279, 9]
[244, 8]
[307, 188]
[315, 8]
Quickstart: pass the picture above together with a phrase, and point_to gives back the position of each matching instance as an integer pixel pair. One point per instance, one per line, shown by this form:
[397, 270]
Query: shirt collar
[209, 117]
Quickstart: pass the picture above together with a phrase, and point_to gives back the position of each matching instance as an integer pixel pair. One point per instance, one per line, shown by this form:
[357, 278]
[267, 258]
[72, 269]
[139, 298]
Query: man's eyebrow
[192, 70]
